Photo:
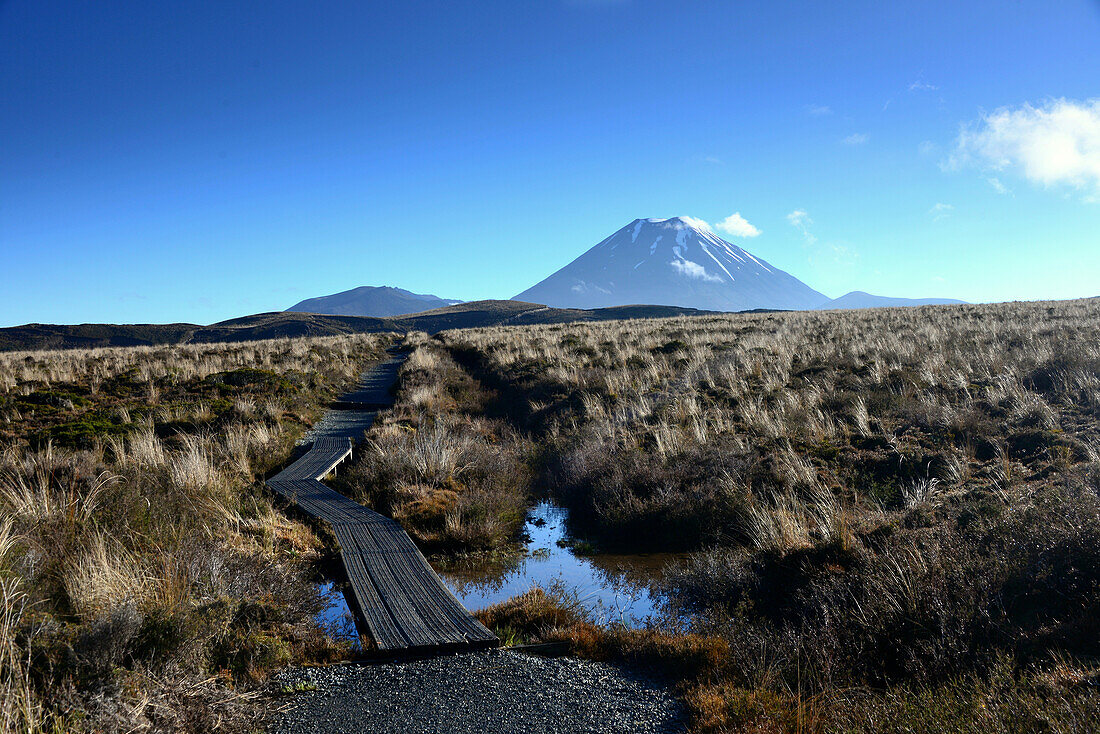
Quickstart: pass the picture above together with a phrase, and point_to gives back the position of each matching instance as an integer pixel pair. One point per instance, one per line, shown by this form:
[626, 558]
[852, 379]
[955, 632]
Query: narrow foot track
[373, 390]
[405, 606]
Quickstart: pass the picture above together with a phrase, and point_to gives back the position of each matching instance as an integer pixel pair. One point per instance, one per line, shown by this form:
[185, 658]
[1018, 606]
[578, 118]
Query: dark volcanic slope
[281, 324]
[248, 328]
[75, 336]
[367, 300]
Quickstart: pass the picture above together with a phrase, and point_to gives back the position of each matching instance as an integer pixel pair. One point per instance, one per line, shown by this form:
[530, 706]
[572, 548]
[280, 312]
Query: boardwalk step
[402, 601]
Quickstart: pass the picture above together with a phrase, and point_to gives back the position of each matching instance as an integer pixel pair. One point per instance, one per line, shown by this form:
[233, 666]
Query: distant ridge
[370, 300]
[677, 262]
[281, 324]
[860, 299]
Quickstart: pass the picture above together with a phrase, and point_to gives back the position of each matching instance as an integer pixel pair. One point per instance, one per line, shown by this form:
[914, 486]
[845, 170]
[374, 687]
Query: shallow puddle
[336, 616]
[614, 588]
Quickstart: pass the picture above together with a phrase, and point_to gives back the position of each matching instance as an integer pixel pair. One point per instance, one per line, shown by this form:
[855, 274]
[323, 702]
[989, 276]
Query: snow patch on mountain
[678, 261]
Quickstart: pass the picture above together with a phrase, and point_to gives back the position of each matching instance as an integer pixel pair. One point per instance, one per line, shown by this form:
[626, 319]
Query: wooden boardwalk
[404, 604]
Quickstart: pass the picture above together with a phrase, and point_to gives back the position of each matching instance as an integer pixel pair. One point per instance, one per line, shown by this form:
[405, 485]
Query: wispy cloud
[738, 226]
[697, 223]
[801, 221]
[834, 252]
[820, 252]
[940, 210]
[816, 110]
[856, 139]
[690, 269]
[916, 86]
[1057, 143]
[999, 187]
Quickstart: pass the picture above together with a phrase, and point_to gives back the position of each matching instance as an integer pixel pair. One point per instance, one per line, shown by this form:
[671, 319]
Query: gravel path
[340, 424]
[491, 692]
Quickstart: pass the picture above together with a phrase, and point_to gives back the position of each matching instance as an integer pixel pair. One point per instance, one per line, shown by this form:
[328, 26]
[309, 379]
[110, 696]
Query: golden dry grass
[955, 394]
[150, 553]
[453, 477]
[899, 507]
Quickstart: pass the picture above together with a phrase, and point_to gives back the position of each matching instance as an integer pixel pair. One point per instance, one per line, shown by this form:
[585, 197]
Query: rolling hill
[860, 299]
[280, 324]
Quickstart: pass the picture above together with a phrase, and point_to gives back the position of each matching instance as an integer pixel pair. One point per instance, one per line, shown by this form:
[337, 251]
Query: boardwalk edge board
[404, 604]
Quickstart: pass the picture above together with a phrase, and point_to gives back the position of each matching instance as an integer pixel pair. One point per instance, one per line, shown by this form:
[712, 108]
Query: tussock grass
[148, 582]
[455, 478]
[873, 407]
[30, 491]
[21, 708]
[898, 509]
[103, 577]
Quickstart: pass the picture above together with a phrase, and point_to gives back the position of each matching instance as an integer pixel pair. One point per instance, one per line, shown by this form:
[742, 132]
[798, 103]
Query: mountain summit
[672, 262]
[371, 300]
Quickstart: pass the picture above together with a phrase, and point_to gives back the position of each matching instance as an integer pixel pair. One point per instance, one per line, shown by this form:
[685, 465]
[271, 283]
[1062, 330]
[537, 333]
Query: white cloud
[940, 210]
[927, 148]
[922, 86]
[800, 220]
[694, 270]
[1057, 143]
[818, 110]
[856, 139]
[738, 226]
[799, 217]
[999, 187]
[697, 223]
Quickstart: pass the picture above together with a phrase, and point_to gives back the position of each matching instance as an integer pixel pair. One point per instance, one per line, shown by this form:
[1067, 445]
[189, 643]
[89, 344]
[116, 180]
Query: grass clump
[148, 581]
[781, 411]
[895, 511]
[456, 479]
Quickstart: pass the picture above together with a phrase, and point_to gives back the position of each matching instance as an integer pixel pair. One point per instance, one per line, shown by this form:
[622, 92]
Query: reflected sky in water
[336, 617]
[612, 587]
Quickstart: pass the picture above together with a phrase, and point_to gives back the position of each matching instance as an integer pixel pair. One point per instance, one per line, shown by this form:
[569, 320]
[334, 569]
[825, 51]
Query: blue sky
[194, 161]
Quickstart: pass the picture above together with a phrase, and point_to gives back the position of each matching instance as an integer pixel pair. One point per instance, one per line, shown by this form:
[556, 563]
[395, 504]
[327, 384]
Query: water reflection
[336, 617]
[613, 587]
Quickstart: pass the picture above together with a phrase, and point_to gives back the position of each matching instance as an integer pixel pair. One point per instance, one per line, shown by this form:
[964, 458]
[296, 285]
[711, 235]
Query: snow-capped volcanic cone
[671, 262]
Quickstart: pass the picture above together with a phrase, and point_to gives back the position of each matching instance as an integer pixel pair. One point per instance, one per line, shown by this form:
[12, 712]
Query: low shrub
[148, 581]
[458, 482]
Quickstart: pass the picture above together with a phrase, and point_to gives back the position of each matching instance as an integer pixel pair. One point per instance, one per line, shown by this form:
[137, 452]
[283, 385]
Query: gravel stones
[489, 692]
[340, 424]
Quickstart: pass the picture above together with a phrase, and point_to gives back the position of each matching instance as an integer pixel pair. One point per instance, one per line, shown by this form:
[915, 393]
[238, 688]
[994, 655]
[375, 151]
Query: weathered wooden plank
[402, 601]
